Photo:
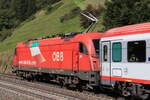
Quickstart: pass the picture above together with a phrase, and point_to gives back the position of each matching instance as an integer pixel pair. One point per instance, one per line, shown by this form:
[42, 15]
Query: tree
[125, 12]
[24, 8]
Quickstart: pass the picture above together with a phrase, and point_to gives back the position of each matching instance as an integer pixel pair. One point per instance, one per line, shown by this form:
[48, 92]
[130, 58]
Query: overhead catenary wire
[90, 17]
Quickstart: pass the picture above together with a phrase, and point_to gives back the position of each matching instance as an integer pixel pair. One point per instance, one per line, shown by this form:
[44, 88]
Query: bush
[49, 9]
[94, 11]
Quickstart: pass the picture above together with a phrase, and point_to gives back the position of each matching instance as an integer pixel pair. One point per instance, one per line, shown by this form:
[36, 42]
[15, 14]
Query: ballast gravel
[6, 94]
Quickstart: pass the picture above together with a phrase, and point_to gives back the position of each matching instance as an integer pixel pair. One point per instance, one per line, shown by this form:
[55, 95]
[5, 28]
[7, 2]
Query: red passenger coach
[71, 59]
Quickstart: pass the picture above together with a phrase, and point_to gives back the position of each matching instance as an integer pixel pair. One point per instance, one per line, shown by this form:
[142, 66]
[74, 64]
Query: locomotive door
[106, 63]
[84, 60]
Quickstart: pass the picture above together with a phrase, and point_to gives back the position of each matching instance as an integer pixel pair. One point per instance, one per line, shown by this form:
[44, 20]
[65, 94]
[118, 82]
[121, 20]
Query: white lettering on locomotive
[27, 62]
[57, 56]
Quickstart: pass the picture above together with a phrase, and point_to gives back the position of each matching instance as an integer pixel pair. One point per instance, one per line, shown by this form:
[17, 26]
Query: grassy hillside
[48, 24]
[44, 25]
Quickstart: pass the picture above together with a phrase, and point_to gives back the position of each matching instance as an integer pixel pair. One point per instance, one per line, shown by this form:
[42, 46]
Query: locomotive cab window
[82, 48]
[117, 52]
[96, 46]
[137, 51]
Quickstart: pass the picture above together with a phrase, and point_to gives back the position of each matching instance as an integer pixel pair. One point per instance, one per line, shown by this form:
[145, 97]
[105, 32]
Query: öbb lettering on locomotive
[118, 59]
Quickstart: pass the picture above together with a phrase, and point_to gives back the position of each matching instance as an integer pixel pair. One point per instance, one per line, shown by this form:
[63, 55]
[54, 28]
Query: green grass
[83, 3]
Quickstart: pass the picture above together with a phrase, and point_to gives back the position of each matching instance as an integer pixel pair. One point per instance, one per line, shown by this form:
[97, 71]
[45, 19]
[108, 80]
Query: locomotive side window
[137, 51]
[96, 46]
[105, 53]
[117, 52]
[83, 48]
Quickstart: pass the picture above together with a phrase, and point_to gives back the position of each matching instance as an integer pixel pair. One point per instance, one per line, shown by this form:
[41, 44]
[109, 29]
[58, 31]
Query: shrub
[49, 8]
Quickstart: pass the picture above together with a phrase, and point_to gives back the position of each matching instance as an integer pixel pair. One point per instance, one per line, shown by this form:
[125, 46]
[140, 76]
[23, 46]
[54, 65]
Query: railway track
[46, 91]
[27, 90]
[34, 92]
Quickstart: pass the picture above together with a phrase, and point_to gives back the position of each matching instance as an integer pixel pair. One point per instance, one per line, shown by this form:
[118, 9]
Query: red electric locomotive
[70, 59]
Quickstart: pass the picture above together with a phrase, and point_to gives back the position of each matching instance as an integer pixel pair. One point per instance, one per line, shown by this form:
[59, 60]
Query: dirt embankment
[6, 62]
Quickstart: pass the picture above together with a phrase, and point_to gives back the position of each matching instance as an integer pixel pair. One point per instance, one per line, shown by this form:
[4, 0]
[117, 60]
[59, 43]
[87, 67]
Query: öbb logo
[58, 56]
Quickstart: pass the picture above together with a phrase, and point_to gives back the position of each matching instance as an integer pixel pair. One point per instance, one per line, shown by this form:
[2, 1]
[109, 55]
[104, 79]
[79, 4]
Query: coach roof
[129, 30]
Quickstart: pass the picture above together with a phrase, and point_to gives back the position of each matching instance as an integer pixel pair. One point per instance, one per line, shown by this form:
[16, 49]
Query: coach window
[117, 52]
[105, 53]
[83, 49]
[137, 51]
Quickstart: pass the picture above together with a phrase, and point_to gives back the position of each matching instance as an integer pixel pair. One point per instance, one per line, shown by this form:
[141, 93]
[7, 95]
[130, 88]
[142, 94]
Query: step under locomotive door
[106, 63]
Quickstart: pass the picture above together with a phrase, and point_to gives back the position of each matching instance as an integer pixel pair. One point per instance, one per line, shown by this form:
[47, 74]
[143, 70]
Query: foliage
[44, 3]
[4, 34]
[124, 12]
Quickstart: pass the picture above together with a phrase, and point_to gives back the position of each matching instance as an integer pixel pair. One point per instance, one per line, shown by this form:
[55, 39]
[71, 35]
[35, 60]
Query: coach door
[106, 63]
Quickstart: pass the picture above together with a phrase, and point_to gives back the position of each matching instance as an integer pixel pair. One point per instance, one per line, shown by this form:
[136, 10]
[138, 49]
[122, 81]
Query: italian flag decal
[36, 53]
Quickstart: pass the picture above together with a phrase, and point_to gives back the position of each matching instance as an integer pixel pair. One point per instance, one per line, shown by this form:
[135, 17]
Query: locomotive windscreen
[96, 46]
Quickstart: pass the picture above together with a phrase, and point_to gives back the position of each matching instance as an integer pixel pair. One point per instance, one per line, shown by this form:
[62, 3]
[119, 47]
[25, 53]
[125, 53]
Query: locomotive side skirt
[83, 75]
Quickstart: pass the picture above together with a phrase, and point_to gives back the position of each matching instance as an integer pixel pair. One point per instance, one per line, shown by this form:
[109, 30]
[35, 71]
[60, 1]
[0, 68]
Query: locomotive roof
[59, 40]
[129, 30]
